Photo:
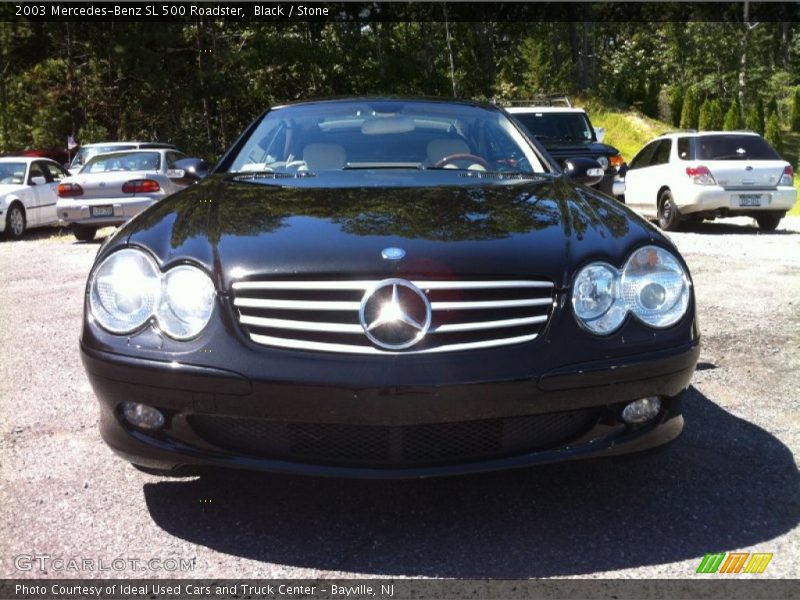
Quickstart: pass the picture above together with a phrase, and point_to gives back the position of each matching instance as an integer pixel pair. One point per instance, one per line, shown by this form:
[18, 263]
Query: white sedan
[112, 188]
[28, 193]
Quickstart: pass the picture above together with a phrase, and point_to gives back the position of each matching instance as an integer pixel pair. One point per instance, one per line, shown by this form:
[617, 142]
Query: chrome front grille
[323, 315]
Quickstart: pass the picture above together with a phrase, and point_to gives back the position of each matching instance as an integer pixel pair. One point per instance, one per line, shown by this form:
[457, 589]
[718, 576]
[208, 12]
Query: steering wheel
[447, 160]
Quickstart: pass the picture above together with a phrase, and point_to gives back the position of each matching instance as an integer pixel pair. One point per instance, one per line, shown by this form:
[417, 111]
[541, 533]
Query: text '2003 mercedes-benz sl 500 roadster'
[387, 288]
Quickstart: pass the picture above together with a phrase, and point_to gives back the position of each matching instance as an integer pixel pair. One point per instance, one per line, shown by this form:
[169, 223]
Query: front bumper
[709, 199]
[79, 211]
[188, 394]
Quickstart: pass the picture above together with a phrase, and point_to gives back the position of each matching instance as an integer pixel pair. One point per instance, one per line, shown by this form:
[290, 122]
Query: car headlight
[652, 286]
[603, 162]
[186, 303]
[127, 290]
[596, 299]
[655, 287]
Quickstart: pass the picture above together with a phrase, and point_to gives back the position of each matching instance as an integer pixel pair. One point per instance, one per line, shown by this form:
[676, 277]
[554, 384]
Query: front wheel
[669, 219]
[769, 221]
[83, 233]
[15, 222]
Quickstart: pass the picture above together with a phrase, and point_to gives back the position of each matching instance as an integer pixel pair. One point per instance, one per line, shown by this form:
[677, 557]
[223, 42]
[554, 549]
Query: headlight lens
[596, 298]
[652, 285]
[603, 162]
[127, 290]
[124, 291]
[655, 287]
[186, 303]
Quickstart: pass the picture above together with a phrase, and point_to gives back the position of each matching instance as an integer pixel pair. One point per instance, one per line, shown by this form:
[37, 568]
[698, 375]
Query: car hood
[559, 149]
[539, 229]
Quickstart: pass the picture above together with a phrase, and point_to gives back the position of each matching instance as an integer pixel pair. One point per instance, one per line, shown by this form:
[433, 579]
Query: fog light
[141, 415]
[640, 411]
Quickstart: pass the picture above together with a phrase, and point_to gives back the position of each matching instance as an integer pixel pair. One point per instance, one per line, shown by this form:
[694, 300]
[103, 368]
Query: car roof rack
[539, 100]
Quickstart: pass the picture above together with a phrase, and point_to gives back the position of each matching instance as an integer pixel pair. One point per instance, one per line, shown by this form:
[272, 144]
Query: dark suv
[566, 132]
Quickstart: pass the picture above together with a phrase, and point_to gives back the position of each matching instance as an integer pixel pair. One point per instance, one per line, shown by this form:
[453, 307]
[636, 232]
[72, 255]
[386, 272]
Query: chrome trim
[296, 304]
[367, 284]
[300, 325]
[490, 304]
[353, 349]
[477, 325]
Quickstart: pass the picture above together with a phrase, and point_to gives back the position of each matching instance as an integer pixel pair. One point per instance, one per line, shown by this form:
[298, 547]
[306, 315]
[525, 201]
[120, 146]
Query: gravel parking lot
[729, 483]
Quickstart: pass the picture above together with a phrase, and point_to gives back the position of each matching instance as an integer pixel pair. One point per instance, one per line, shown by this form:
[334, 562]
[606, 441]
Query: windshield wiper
[727, 157]
[560, 138]
[256, 175]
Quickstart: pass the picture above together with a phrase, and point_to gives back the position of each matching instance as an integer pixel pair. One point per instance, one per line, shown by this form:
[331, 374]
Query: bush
[675, 104]
[689, 111]
[773, 132]
[772, 107]
[795, 116]
[755, 117]
[733, 118]
[711, 117]
[704, 120]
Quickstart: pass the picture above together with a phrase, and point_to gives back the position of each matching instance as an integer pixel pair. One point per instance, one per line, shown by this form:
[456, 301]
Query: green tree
[675, 106]
[733, 118]
[704, 120]
[755, 117]
[795, 116]
[773, 133]
[689, 112]
[772, 107]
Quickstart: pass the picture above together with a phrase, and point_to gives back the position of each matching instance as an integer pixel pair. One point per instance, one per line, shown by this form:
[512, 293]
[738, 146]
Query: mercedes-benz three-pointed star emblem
[395, 314]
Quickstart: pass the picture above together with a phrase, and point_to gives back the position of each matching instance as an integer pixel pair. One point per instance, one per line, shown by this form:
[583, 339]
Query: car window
[555, 126]
[661, 154]
[12, 173]
[733, 147]
[685, 148]
[128, 161]
[172, 157]
[85, 154]
[36, 173]
[55, 172]
[418, 136]
[642, 160]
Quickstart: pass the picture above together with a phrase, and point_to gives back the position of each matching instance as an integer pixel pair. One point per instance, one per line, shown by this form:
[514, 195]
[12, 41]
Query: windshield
[378, 135]
[84, 154]
[555, 126]
[12, 173]
[733, 147]
[127, 161]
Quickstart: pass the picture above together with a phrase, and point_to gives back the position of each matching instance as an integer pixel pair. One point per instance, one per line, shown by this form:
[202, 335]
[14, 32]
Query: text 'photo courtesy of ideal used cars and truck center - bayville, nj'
[399, 300]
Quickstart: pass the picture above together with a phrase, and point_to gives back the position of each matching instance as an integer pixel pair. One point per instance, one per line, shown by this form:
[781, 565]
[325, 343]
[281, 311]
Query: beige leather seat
[443, 147]
[324, 157]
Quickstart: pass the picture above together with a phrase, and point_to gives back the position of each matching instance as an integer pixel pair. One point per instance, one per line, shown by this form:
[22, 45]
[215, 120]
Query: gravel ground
[729, 483]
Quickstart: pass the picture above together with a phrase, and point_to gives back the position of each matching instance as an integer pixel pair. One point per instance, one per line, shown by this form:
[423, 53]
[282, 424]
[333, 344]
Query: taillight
[616, 161]
[701, 175]
[140, 186]
[69, 190]
[788, 176]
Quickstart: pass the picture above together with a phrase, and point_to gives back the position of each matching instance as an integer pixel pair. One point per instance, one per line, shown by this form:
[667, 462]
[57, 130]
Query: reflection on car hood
[535, 229]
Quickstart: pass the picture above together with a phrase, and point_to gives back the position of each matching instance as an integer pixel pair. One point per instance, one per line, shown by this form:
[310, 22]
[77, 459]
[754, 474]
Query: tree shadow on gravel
[724, 484]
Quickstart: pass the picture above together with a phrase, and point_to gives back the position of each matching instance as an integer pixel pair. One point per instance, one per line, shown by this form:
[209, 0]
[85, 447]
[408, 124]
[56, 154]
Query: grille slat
[323, 315]
[394, 446]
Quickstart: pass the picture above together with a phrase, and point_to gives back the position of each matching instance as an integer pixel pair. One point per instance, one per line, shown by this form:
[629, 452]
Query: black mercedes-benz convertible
[387, 288]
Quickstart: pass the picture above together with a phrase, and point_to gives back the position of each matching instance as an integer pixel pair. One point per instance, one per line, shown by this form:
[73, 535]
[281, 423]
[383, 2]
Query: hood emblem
[395, 314]
[393, 253]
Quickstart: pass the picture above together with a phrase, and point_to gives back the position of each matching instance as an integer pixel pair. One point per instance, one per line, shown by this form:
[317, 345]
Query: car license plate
[102, 211]
[750, 199]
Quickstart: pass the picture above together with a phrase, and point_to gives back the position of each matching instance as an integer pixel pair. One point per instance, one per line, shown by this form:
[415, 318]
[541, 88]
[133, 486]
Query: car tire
[16, 223]
[669, 219]
[83, 233]
[769, 221]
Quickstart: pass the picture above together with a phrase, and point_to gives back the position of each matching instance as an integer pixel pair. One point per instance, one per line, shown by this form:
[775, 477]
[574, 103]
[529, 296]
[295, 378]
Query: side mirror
[188, 170]
[583, 170]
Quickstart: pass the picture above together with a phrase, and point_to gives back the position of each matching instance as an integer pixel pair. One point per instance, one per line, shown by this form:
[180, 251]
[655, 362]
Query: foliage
[199, 83]
[773, 133]
[733, 118]
[711, 117]
[755, 117]
[795, 114]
